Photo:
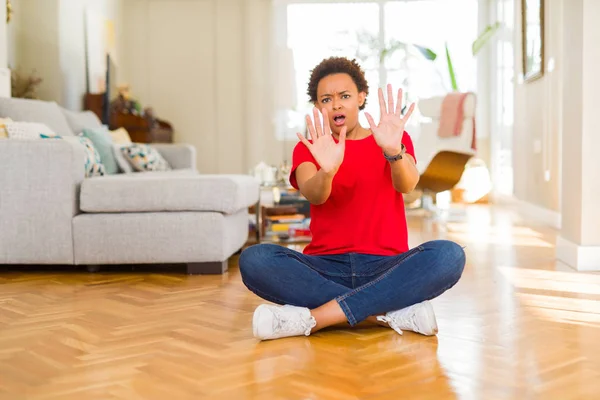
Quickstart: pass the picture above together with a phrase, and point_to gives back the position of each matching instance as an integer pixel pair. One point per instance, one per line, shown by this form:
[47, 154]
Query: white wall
[72, 44]
[581, 166]
[579, 242]
[33, 44]
[204, 65]
[48, 36]
[4, 71]
[537, 118]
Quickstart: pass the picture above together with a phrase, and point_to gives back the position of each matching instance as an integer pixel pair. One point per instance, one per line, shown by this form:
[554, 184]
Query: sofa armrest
[179, 156]
[39, 191]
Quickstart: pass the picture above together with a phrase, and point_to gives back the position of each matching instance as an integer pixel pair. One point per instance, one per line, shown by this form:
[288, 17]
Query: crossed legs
[320, 291]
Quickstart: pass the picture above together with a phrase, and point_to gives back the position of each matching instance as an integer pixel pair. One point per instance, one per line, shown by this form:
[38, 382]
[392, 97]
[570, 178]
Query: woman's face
[339, 95]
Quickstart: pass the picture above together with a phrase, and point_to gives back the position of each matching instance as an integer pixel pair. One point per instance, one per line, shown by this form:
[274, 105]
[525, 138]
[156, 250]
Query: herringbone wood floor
[517, 326]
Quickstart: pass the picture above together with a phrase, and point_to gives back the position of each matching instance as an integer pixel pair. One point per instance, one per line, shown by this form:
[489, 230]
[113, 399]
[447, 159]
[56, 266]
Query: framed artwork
[532, 12]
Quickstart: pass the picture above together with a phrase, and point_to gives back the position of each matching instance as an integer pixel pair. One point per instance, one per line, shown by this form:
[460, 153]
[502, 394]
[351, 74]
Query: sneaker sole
[432, 321]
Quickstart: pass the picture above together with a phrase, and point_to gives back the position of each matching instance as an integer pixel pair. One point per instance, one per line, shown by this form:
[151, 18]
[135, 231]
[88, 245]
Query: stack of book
[290, 226]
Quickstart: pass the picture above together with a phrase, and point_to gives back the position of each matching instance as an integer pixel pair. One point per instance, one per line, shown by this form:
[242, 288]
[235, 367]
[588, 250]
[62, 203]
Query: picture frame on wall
[532, 12]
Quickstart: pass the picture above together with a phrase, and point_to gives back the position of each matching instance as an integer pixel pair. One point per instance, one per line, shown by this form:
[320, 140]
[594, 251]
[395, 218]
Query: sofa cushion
[80, 120]
[175, 190]
[27, 110]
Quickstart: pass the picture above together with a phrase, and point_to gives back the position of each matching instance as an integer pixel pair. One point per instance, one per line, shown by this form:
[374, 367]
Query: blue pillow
[103, 142]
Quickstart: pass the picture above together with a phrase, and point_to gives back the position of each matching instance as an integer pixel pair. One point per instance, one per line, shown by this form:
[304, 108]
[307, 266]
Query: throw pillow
[27, 130]
[120, 136]
[103, 142]
[144, 157]
[124, 165]
[92, 163]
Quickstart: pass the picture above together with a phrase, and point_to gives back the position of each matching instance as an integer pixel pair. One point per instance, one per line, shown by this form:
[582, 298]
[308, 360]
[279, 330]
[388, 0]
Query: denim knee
[455, 257]
[253, 259]
[451, 256]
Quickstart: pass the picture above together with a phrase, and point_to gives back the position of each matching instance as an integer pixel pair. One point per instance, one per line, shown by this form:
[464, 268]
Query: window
[361, 30]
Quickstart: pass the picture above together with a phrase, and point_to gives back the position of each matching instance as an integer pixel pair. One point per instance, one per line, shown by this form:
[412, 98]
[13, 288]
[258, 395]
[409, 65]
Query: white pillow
[27, 130]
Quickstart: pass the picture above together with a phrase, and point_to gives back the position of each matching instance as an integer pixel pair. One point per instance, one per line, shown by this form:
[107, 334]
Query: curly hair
[337, 65]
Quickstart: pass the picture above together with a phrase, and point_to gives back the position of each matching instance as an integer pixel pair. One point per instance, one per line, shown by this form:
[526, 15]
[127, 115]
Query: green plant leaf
[451, 69]
[426, 52]
[484, 37]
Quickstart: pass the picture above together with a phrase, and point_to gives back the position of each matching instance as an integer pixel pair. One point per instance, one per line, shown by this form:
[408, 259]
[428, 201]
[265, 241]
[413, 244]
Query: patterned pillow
[93, 164]
[144, 157]
[27, 130]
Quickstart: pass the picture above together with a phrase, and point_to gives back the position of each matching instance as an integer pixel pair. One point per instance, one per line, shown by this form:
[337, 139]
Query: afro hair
[337, 65]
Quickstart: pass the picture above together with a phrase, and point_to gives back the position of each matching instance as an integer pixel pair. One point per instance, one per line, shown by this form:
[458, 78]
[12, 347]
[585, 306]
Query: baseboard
[540, 214]
[582, 258]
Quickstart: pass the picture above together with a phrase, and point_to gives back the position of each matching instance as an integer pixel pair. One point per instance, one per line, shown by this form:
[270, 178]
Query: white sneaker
[274, 322]
[418, 318]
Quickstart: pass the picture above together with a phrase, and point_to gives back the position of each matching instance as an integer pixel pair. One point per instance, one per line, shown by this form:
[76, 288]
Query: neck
[358, 132]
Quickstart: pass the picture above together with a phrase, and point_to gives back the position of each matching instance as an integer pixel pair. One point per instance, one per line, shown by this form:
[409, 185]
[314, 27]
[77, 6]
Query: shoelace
[293, 322]
[390, 322]
[406, 319]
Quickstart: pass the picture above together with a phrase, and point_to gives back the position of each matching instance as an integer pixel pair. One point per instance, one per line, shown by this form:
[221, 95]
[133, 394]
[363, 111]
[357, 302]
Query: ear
[361, 98]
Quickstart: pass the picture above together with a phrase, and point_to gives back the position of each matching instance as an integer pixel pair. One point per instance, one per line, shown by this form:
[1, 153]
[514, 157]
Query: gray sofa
[51, 214]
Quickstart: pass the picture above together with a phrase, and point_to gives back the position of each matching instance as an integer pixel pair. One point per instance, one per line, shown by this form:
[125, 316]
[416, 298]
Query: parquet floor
[517, 326]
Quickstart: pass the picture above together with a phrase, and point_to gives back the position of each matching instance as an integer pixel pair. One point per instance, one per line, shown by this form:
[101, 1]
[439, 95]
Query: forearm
[405, 174]
[318, 188]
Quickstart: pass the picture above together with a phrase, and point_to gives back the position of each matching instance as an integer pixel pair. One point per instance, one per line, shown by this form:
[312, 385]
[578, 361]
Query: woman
[358, 265]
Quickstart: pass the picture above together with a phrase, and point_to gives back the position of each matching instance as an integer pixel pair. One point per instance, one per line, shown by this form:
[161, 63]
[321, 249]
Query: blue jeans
[363, 285]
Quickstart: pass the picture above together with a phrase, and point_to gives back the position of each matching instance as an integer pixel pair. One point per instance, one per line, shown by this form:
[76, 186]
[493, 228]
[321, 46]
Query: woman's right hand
[328, 154]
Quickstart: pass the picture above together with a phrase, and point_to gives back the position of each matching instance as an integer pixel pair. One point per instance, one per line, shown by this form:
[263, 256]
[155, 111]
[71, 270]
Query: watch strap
[397, 156]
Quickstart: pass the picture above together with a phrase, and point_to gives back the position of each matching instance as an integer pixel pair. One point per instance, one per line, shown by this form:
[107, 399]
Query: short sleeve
[410, 148]
[301, 154]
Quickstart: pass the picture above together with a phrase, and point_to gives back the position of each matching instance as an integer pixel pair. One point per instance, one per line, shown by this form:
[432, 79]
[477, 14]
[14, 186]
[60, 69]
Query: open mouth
[339, 119]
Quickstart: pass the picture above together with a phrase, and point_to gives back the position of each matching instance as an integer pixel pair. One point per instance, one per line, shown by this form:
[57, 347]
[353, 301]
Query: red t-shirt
[364, 213]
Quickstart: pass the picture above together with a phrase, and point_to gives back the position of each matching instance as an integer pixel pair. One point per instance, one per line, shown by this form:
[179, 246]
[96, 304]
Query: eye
[346, 96]
[325, 100]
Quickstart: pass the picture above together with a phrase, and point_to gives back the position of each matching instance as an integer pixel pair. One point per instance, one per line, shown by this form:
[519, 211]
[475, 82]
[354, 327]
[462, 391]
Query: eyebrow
[329, 95]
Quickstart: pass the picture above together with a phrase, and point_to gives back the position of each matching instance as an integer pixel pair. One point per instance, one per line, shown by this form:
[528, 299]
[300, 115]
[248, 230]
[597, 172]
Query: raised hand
[328, 154]
[388, 133]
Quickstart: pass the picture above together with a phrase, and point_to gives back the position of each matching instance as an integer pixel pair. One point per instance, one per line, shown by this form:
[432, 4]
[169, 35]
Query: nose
[336, 104]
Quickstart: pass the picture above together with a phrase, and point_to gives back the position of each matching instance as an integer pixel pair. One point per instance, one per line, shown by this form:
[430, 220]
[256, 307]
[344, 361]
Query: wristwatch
[397, 156]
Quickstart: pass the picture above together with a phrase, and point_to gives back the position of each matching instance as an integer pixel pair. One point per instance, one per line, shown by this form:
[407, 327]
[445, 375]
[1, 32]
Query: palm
[388, 133]
[328, 154]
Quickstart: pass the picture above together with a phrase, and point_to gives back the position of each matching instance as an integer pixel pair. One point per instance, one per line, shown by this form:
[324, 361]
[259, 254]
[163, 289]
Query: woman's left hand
[388, 134]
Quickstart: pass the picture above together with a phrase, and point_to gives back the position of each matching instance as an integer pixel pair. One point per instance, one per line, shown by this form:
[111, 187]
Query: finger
[342, 140]
[326, 126]
[390, 96]
[371, 121]
[317, 123]
[409, 112]
[303, 140]
[399, 104]
[382, 108]
[311, 128]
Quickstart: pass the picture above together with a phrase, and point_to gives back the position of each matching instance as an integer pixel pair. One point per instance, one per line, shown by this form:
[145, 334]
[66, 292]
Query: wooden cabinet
[140, 129]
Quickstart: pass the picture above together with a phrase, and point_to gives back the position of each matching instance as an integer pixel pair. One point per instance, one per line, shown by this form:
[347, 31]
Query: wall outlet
[547, 175]
[537, 146]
